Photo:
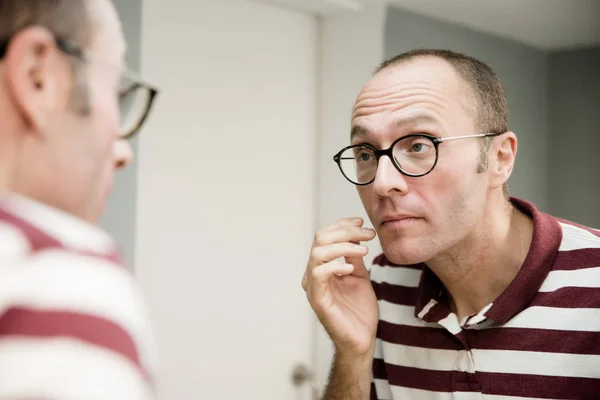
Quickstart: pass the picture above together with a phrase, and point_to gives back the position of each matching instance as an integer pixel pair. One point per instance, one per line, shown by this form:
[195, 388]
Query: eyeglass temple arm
[439, 140]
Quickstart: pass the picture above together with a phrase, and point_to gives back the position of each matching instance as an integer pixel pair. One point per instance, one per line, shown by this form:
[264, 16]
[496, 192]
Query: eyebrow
[420, 119]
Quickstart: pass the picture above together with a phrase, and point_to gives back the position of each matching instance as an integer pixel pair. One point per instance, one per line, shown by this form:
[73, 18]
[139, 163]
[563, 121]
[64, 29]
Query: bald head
[108, 38]
[482, 83]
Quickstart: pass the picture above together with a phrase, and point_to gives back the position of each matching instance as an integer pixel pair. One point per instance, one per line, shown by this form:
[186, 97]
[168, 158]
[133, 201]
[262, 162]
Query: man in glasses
[476, 293]
[72, 320]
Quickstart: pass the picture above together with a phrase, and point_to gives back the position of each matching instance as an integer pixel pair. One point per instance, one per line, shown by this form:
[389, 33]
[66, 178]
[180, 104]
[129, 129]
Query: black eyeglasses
[413, 155]
[135, 96]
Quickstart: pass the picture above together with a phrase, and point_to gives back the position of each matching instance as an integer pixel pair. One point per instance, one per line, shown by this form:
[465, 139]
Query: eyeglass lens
[415, 155]
[133, 102]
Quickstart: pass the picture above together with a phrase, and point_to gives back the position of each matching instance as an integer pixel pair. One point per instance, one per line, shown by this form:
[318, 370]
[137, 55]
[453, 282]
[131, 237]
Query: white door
[226, 195]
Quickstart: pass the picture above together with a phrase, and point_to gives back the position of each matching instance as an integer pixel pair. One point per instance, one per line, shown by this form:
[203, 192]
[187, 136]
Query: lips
[398, 219]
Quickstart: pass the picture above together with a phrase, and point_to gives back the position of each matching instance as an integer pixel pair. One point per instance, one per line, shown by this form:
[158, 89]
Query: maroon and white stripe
[73, 322]
[549, 349]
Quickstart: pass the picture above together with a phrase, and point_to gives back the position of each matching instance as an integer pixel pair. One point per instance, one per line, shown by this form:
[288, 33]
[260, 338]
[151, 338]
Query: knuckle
[318, 255]
[310, 276]
[314, 254]
[319, 238]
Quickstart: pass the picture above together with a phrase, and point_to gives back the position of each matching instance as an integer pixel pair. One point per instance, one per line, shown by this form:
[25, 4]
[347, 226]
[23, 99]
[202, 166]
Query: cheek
[456, 167]
[107, 111]
[107, 120]
[111, 115]
[449, 193]
[365, 194]
[102, 124]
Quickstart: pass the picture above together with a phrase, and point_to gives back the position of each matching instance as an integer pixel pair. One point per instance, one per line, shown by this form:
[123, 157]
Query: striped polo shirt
[73, 323]
[540, 339]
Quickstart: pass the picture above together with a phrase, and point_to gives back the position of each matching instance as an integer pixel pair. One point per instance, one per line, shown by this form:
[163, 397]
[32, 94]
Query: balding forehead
[421, 68]
[427, 68]
[108, 38]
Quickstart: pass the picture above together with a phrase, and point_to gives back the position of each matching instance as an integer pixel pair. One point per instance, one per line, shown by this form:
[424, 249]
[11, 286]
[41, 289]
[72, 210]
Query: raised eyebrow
[420, 119]
[357, 130]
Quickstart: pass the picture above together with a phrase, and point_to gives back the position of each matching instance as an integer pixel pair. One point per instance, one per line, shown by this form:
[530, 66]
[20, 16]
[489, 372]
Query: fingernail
[359, 247]
[356, 220]
[367, 230]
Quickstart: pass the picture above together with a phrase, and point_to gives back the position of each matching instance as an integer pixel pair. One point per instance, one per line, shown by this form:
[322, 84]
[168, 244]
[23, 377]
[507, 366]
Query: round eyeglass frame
[337, 158]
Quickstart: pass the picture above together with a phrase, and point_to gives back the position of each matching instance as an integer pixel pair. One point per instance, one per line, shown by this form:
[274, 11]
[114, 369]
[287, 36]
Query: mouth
[399, 221]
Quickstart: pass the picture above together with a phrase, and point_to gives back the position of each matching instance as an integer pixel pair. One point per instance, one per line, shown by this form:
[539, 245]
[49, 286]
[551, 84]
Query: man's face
[69, 159]
[417, 218]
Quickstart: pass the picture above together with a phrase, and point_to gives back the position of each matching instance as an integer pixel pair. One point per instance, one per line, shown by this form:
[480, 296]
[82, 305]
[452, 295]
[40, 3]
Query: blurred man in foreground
[73, 323]
[477, 294]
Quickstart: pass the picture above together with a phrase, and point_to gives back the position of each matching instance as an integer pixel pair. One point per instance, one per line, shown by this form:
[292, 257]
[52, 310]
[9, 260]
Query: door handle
[303, 375]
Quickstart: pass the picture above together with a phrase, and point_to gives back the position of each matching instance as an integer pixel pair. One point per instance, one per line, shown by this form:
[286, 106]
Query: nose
[122, 153]
[388, 179]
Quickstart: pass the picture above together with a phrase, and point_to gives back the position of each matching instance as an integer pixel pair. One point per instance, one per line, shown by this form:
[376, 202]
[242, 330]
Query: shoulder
[14, 241]
[68, 313]
[579, 247]
[576, 236]
[573, 278]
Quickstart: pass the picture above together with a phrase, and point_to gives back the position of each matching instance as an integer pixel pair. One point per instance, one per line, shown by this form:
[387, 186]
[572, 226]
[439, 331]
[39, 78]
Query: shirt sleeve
[73, 326]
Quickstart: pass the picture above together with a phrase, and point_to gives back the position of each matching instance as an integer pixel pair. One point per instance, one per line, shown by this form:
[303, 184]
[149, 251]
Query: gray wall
[119, 219]
[574, 157]
[523, 72]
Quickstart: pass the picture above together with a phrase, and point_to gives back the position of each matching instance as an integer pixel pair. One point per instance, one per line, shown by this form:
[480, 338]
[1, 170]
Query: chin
[407, 251]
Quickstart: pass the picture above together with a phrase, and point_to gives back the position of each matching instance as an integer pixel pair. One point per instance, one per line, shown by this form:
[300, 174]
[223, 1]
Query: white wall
[226, 195]
[352, 47]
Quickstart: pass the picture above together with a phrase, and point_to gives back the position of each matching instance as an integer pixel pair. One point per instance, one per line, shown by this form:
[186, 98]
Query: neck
[19, 169]
[11, 147]
[478, 269]
[7, 175]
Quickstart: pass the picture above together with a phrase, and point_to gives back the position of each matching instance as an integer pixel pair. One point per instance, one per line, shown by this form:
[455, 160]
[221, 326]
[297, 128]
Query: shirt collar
[69, 230]
[547, 236]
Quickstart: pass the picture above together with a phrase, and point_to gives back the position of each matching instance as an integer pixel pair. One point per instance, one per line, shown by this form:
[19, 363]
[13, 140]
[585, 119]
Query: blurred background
[234, 170]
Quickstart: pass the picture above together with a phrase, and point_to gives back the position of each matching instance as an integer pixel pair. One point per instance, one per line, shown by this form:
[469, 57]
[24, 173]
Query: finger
[352, 221]
[325, 254]
[344, 234]
[324, 272]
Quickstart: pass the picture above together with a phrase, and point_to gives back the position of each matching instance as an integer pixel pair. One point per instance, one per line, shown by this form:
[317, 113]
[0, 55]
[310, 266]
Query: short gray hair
[68, 19]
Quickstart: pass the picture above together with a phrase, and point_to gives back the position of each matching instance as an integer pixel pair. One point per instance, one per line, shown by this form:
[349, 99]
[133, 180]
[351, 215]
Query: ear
[502, 157]
[34, 71]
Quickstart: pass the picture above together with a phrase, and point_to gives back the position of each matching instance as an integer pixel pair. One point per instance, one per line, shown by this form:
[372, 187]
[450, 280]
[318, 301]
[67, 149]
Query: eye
[413, 146]
[420, 147]
[364, 156]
